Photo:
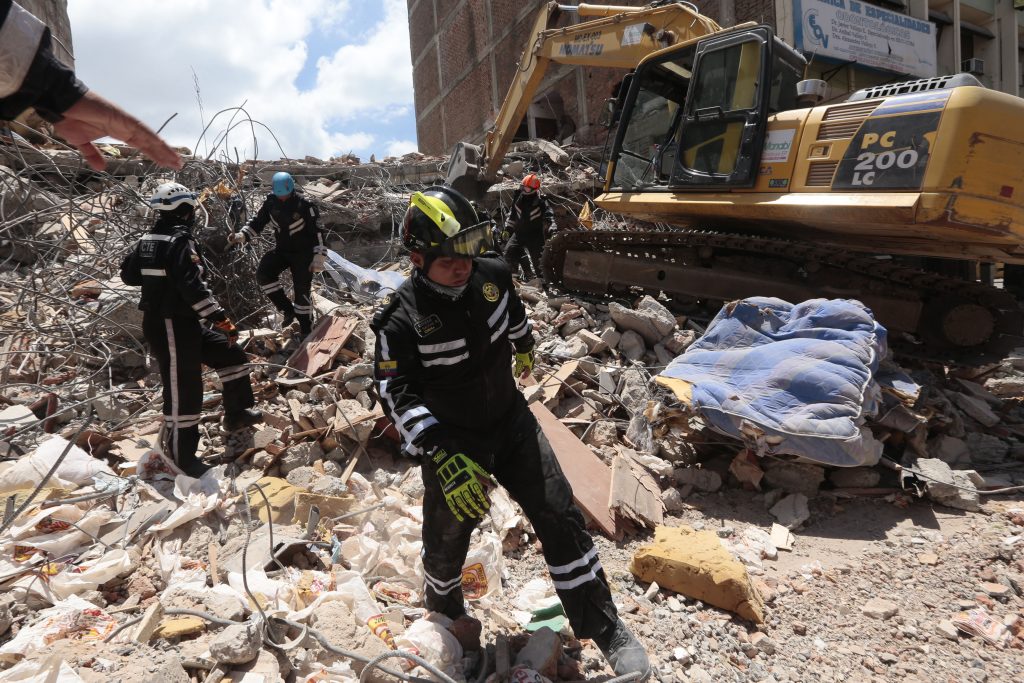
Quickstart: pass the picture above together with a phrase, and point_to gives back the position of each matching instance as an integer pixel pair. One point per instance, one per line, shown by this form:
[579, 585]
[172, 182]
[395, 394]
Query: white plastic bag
[430, 638]
[77, 469]
[88, 575]
[50, 670]
[55, 535]
[481, 572]
[359, 599]
[73, 618]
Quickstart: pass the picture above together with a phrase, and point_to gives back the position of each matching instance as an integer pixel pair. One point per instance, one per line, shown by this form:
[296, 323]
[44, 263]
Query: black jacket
[30, 74]
[531, 218]
[295, 224]
[448, 363]
[167, 263]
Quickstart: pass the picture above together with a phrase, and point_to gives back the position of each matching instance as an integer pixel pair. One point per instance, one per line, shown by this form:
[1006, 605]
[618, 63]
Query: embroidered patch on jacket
[388, 368]
[490, 291]
[428, 325]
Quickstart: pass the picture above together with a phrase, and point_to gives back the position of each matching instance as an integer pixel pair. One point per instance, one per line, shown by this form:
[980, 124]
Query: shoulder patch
[387, 305]
[490, 291]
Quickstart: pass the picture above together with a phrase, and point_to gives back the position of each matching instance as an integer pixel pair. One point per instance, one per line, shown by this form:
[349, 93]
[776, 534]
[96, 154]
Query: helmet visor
[469, 243]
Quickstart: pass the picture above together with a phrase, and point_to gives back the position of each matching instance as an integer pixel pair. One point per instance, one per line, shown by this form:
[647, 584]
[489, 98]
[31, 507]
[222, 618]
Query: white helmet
[170, 196]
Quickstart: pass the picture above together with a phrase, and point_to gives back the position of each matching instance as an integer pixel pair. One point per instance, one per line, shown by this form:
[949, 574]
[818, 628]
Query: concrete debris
[791, 511]
[237, 644]
[794, 477]
[952, 488]
[326, 510]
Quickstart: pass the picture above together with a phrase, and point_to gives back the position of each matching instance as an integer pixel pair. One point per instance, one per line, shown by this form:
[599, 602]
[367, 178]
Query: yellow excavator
[757, 187]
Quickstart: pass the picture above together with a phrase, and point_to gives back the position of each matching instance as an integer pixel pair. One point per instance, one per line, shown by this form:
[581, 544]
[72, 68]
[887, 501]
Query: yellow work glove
[464, 484]
[524, 364]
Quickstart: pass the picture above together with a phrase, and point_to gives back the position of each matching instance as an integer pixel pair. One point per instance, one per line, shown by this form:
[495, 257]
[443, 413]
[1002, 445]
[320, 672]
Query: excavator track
[949, 319]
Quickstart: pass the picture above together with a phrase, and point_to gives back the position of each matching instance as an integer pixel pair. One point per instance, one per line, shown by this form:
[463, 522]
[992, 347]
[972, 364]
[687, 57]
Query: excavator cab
[695, 116]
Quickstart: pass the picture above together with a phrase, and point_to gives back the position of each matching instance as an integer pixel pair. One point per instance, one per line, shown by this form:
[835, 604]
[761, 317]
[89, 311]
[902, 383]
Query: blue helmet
[283, 184]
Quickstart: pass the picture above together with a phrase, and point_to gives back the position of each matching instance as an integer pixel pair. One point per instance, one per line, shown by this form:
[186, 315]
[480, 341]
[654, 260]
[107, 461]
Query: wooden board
[590, 478]
[323, 345]
[634, 494]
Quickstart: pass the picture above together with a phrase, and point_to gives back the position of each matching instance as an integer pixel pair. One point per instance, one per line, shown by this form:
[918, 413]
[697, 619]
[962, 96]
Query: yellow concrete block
[281, 495]
[177, 627]
[330, 506]
[695, 564]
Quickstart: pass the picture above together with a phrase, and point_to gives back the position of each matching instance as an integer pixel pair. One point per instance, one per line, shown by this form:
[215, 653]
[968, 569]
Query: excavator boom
[612, 36]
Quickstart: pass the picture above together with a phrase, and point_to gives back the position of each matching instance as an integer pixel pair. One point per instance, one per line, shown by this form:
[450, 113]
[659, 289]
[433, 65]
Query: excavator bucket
[464, 173]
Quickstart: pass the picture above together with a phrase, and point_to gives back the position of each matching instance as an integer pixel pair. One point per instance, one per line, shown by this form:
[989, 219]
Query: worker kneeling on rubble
[530, 222]
[298, 246]
[444, 348]
[167, 264]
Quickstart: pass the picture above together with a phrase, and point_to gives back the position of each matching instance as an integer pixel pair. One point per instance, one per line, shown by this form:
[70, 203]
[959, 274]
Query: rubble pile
[297, 558]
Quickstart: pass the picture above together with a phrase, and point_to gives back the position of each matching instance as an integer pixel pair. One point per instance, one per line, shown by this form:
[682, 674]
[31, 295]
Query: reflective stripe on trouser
[269, 271]
[181, 346]
[520, 457]
[525, 253]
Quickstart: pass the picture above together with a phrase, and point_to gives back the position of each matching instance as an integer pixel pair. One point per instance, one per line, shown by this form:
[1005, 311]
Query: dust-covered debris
[875, 581]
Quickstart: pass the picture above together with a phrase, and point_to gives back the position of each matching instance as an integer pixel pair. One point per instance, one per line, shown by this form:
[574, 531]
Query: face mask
[450, 293]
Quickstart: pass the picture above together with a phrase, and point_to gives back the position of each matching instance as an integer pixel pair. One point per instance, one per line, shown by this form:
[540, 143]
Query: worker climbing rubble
[168, 265]
[529, 223]
[445, 342]
[298, 247]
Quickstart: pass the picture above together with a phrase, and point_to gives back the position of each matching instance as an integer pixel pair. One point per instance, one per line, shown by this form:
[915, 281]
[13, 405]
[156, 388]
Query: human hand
[317, 266]
[94, 117]
[464, 484]
[236, 238]
[228, 328]
[524, 364]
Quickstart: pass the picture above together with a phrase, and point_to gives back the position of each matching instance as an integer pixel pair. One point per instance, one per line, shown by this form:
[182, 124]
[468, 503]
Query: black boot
[624, 652]
[242, 419]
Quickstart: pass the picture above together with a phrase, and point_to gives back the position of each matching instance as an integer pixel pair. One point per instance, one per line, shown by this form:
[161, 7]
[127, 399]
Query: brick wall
[54, 13]
[465, 54]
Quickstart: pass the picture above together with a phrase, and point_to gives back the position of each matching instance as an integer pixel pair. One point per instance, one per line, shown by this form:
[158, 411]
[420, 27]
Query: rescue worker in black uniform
[445, 342]
[168, 265]
[529, 223]
[299, 246]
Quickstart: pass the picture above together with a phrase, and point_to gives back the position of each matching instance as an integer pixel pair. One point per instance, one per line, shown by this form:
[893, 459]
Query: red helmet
[531, 183]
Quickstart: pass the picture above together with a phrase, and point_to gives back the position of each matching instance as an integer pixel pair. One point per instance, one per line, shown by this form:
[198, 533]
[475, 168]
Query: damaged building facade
[467, 51]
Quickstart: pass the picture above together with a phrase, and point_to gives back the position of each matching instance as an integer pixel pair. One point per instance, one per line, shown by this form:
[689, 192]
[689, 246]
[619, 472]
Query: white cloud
[397, 148]
[143, 54]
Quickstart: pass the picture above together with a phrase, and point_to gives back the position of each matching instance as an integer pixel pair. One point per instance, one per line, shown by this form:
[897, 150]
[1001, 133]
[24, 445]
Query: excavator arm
[613, 36]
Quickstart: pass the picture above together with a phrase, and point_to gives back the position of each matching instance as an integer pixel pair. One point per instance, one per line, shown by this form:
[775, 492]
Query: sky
[326, 77]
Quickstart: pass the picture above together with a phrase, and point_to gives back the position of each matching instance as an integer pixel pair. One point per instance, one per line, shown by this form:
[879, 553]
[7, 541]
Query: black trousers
[520, 457]
[268, 275]
[525, 253]
[182, 346]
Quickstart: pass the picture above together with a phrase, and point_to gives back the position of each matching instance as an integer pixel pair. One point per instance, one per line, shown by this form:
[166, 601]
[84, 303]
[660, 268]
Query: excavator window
[723, 123]
[727, 83]
[650, 119]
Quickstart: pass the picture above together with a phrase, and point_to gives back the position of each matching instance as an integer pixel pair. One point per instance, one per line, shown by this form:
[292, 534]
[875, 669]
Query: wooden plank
[634, 494]
[591, 479]
[323, 345]
[552, 384]
[150, 622]
[212, 552]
